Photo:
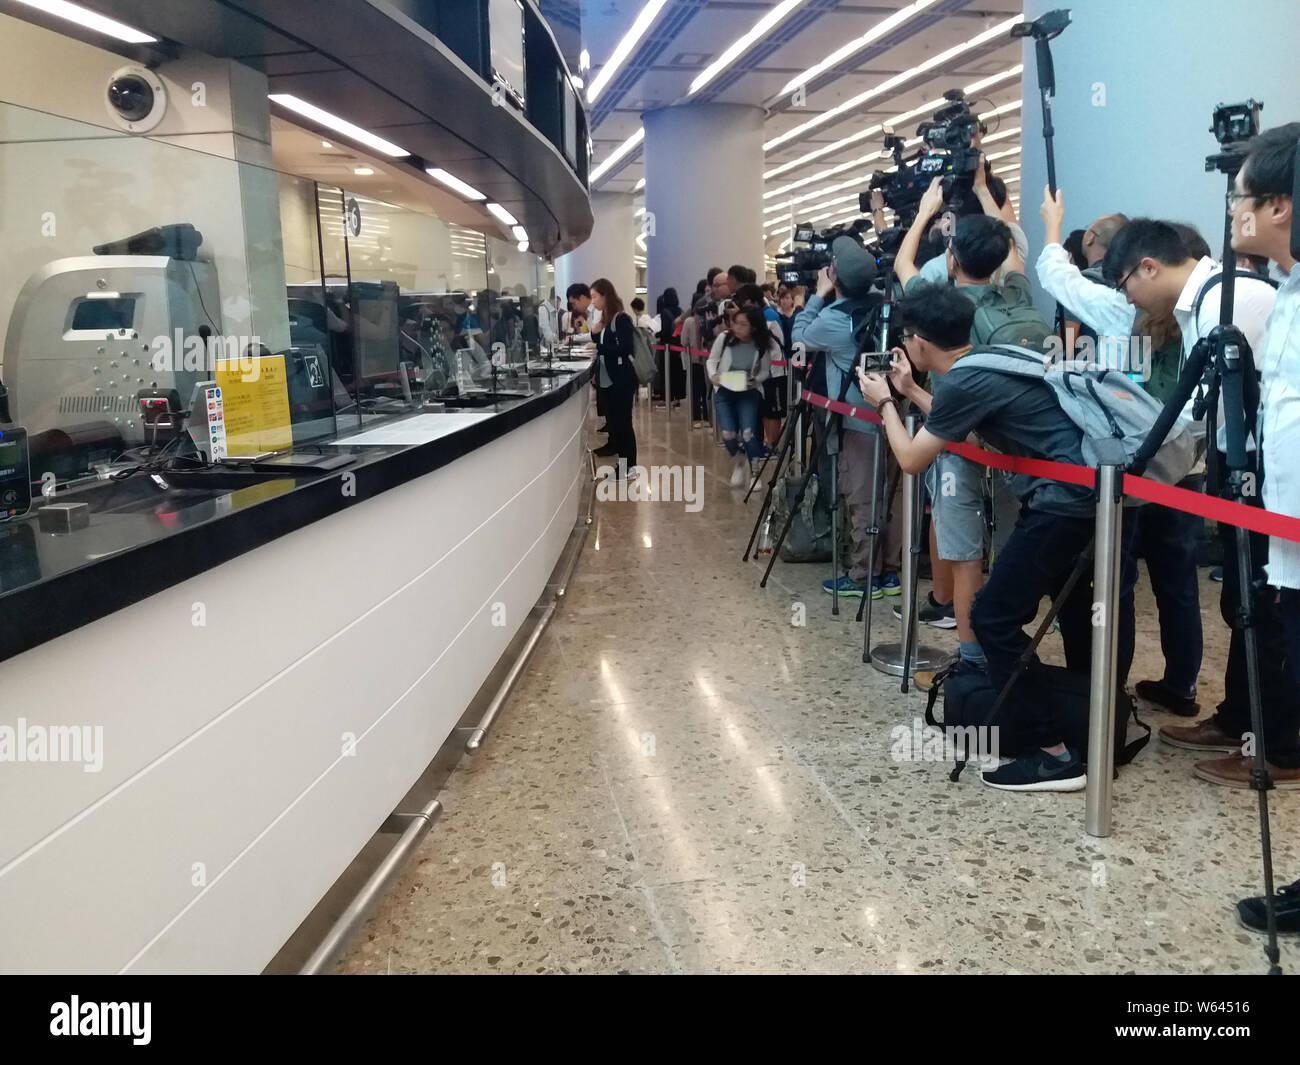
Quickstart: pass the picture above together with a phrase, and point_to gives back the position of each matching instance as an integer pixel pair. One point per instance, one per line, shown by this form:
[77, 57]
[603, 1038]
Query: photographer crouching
[1019, 416]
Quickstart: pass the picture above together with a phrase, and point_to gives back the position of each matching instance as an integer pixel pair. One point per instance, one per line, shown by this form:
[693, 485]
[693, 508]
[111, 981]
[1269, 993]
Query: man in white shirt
[1262, 208]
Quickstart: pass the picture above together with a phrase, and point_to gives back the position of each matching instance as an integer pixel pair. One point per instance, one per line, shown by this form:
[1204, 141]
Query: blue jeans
[737, 414]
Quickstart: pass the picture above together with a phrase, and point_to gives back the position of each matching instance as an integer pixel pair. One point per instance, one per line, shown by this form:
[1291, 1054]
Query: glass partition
[140, 274]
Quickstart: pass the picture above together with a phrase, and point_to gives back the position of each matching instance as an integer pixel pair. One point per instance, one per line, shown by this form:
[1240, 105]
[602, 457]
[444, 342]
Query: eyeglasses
[909, 336]
[1119, 286]
[1235, 198]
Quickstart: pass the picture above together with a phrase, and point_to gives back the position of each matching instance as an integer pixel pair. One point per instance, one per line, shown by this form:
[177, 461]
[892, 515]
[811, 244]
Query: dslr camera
[946, 152]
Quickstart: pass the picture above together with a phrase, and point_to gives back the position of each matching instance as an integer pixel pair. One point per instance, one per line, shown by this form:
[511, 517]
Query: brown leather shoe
[1203, 736]
[1235, 773]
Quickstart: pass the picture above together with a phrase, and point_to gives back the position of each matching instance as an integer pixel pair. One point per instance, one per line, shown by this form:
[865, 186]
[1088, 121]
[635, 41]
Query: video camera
[946, 152]
[800, 266]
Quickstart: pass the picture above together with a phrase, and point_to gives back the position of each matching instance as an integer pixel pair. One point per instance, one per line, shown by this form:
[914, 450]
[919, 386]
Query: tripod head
[1044, 28]
[1233, 125]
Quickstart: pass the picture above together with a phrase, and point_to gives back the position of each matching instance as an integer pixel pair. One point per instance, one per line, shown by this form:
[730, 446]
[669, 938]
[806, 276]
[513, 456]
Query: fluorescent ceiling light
[616, 155]
[520, 233]
[639, 185]
[638, 212]
[91, 20]
[501, 213]
[363, 171]
[577, 82]
[326, 144]
[624, 48]
[1001, 155]
[339, 125]
[522, 245]
[1007, 169]
[742, 45]
[899, 119]
[857, 44]
[454, 183]
[889, 84]
[584, 60]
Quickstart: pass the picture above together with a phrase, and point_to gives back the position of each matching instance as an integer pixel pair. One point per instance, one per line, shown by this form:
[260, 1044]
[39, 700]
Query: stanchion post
[1105, 644]
[690, 385]
[904, 658]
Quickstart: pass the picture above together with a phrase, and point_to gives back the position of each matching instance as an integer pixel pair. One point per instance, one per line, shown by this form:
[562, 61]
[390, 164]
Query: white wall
[1136, 84]
[226, 806]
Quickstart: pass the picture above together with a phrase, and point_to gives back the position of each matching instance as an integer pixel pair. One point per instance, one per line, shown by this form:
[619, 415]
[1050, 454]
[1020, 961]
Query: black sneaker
[1286, 906]
[933, 613]
[1160, 694]
[1037, 771]
[1216, 574]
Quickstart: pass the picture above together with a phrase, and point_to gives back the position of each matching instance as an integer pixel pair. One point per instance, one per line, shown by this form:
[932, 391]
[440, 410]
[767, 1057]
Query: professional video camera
[946, 151]
[800, 266]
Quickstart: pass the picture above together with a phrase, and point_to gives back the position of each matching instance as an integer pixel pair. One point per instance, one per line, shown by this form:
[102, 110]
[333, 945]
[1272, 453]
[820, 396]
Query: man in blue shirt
[827, 324]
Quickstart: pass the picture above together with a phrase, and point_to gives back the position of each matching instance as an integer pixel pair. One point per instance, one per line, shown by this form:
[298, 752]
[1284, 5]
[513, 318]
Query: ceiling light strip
[91, 20]
[644, 19]
[924, 109]
[339, 125]
[898, 18]
[1001, 29]
[617, 154]
[738, 47]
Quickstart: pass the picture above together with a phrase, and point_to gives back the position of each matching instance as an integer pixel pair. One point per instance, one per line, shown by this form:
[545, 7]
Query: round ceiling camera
[136, 99]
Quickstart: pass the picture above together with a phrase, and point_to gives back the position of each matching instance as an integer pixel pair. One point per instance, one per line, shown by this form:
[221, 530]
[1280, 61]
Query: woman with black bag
[616, 374]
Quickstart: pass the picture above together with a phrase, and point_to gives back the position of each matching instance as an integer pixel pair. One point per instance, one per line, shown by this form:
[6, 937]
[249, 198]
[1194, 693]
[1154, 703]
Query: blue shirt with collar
[820, 326]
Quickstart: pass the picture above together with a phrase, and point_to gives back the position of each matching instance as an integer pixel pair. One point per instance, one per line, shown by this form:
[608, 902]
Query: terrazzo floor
[685, 781]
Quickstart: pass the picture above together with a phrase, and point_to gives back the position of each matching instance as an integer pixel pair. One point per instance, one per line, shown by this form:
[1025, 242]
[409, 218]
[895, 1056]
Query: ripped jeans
[737, 414]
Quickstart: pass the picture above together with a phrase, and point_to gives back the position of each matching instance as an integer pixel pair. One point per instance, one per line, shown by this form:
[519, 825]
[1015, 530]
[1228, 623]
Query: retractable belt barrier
[1256, 519]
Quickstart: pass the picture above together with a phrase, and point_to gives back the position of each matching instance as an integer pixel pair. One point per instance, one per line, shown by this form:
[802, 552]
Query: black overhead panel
[380, 65]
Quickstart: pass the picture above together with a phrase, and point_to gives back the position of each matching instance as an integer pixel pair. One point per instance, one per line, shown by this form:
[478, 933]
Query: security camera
[136, 99]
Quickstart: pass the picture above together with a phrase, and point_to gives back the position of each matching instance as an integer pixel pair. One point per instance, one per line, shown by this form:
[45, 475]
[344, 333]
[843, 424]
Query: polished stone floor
[687, 782]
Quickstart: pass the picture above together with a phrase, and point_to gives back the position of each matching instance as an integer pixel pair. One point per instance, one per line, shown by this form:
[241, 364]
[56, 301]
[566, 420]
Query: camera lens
[132, 97]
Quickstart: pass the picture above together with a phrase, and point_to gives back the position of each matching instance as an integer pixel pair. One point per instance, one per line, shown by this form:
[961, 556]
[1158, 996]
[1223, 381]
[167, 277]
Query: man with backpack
[979, 247]
[1019, 416]
[837, 327]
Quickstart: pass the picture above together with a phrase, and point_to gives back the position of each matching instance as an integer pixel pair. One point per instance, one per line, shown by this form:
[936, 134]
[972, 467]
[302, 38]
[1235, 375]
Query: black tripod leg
[789, 520]
[891, 487]
[767, 497]
[782, 446]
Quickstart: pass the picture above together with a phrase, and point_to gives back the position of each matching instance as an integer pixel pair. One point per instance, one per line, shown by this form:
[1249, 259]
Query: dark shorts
[776, 395]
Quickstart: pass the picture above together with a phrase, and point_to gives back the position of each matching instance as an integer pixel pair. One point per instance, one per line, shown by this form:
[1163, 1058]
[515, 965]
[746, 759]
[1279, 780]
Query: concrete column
[704, 193]
[608, 251]
[1131, 141]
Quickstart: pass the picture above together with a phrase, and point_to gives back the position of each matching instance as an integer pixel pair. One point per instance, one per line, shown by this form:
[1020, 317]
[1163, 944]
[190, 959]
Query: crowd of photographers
[1135, 297]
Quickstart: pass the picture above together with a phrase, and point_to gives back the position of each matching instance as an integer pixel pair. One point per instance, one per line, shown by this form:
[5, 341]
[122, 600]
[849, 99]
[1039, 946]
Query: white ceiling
[709, 26]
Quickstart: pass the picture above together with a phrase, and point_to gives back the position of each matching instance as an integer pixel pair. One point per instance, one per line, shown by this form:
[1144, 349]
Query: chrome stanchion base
[888, 658]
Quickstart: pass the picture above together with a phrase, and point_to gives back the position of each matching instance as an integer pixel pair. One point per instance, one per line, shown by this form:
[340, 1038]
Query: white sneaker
[740, 472]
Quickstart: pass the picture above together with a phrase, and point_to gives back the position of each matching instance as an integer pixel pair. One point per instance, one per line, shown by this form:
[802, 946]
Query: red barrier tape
[1224, 511]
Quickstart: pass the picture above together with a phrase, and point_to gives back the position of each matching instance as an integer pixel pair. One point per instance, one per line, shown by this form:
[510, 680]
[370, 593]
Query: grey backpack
[1104, 404]
[643, 355]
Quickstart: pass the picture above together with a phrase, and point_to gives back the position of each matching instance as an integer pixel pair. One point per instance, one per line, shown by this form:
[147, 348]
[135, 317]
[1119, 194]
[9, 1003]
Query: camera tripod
[1223, 362]
[790, 439]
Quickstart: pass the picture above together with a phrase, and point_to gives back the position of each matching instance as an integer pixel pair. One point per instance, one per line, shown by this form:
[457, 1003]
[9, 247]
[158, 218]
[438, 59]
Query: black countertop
[143, 537]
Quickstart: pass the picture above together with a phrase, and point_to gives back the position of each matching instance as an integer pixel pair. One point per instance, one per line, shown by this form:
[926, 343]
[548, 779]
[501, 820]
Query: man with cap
[828, 323]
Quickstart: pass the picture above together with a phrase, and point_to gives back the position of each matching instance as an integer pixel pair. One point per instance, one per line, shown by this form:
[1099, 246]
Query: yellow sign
[256, 398]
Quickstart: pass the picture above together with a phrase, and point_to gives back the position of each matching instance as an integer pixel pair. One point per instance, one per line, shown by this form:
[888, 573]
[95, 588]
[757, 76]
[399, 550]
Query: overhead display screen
[506, 40]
